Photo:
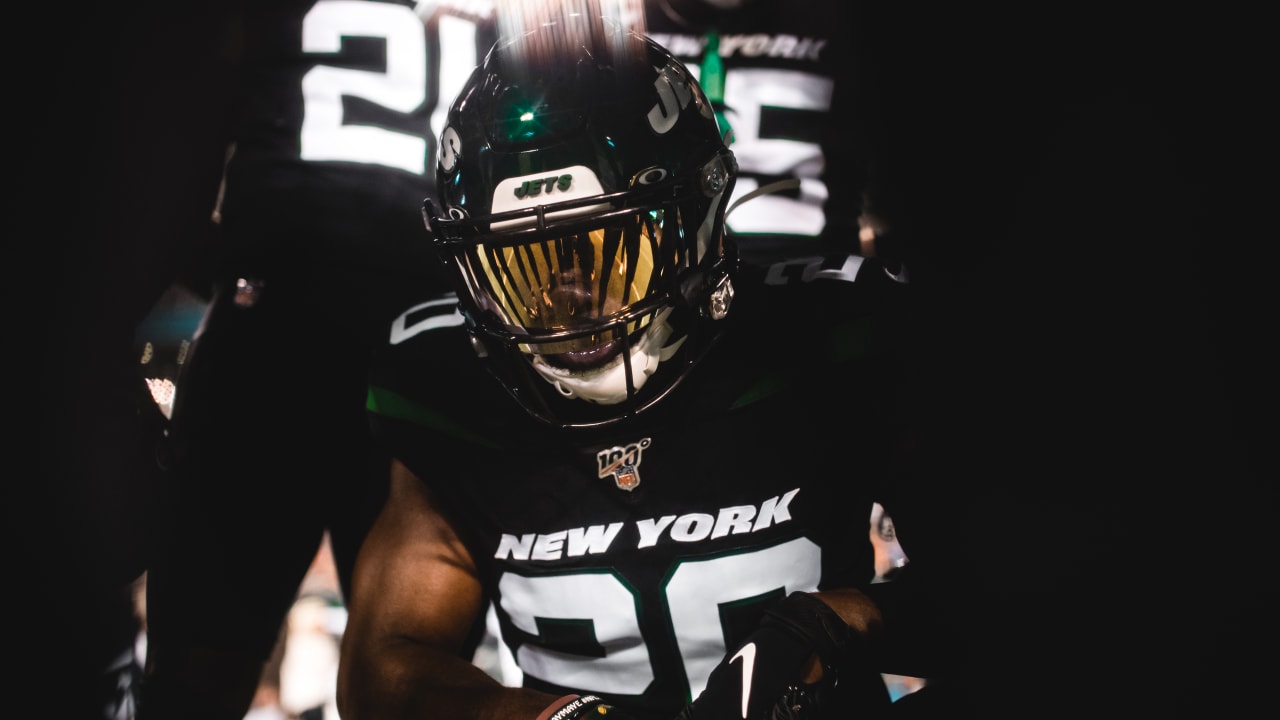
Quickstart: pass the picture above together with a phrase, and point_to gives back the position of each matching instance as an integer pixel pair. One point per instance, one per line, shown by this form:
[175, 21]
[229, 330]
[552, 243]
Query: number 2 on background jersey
[402, 86]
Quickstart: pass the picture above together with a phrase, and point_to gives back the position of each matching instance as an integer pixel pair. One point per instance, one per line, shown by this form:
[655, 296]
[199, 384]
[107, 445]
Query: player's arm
[414, 600]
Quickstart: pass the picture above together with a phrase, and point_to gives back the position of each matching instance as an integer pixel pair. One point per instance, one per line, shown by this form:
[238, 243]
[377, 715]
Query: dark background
[115, 111]
[1090, 189]
[1090, 194]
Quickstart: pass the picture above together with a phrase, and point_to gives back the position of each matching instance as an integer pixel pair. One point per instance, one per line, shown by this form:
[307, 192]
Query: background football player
[800, 99]
[338, 108]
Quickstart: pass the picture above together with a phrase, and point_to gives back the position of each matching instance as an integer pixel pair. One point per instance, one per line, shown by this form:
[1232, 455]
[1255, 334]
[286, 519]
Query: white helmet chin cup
[607, 385]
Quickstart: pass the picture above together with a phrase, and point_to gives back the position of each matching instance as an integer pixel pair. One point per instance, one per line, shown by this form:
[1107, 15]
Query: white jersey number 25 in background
[401, 87]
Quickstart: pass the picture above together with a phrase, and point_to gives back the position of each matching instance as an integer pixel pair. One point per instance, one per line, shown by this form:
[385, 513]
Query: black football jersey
[800, 104]
[338, 124]
[625, 561]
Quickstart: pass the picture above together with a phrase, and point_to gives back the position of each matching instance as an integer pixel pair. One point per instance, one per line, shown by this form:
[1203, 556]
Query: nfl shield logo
[626, 478]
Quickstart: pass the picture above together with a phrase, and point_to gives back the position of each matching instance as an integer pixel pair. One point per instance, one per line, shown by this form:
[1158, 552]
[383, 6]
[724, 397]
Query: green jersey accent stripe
[389, 404]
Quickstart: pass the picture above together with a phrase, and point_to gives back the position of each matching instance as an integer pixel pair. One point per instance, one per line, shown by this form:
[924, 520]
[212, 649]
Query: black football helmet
[583, 183]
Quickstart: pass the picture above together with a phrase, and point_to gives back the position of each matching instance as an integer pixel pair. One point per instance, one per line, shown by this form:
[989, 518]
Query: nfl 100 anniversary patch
[622, 464]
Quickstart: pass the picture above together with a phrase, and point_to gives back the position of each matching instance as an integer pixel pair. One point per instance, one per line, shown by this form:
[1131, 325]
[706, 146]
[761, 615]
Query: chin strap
[773, 187]
[608, 385]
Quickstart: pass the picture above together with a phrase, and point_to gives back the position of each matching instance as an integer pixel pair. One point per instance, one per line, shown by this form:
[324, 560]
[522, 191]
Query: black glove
[762, 679]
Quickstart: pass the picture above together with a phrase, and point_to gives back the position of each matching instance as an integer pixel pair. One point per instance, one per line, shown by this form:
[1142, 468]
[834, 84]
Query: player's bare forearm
[855, 608]
[409, 681]
[415, 598]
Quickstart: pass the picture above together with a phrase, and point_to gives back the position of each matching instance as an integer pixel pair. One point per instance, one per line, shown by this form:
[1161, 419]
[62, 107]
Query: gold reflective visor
[575, 280]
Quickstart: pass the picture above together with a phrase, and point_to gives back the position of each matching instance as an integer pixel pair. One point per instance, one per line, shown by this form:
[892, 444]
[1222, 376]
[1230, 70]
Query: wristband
[573, 707]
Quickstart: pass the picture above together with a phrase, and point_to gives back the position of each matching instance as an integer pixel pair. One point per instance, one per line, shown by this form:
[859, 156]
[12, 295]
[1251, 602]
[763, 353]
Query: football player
[654, 458]
[339, 107]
